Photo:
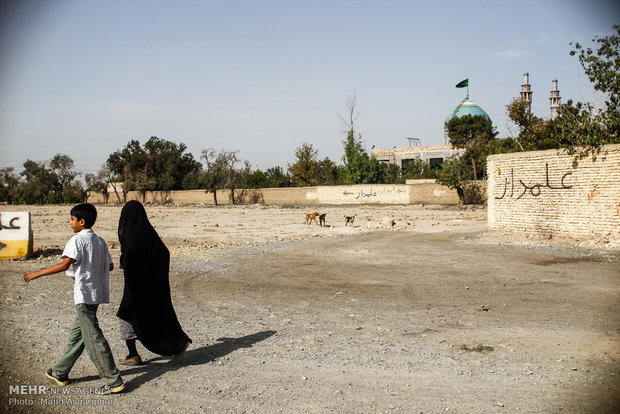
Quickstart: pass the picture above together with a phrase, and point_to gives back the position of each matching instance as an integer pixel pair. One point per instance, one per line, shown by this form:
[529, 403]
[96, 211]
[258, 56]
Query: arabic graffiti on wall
[533, 189]
[11, 225]
[361, 194]
[15, 235]
[11, 229]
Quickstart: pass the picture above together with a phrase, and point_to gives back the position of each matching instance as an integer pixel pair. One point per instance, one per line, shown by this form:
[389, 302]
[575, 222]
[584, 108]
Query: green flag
[463, 84]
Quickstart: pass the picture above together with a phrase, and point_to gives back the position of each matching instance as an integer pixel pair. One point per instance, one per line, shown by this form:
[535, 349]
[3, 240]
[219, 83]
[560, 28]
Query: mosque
[435, 155]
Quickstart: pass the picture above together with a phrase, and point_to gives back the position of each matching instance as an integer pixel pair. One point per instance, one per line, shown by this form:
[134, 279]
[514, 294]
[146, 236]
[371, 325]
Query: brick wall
[550, 194]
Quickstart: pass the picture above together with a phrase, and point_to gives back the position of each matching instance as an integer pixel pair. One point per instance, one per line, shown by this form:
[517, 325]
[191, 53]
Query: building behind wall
[431, 155]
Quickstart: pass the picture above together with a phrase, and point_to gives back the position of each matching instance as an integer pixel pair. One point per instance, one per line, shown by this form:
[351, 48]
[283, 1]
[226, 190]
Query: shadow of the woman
[151, 369]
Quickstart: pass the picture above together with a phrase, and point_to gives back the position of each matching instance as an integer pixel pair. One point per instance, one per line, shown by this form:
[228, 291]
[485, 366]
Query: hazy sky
[83, 77]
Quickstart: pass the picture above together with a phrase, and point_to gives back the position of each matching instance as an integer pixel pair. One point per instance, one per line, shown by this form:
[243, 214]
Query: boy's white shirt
[91, 269]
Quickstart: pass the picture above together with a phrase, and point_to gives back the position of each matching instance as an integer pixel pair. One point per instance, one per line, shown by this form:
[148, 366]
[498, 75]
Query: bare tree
[351, 114]
[212, 177]
[222, 171]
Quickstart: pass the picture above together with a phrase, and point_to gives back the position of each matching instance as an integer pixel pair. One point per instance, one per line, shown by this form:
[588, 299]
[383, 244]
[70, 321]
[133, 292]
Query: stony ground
[428, 315]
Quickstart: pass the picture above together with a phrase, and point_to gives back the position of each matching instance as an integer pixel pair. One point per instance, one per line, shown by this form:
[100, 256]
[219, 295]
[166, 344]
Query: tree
[254, 179]
[474, 134]
[169, 163]
[456, 171]
[603, 70]
[356, 161]
[234, 174]
[534, 133]
[213, 177]
[328, 173]
[9, 186]
[95, 185]
[583, 124]
[38, 185]
[276, 177]
[101, 182]
[160, 165]
[222, 171]
[62, 174]
[418, 169]
[359, 167]
[304, 171]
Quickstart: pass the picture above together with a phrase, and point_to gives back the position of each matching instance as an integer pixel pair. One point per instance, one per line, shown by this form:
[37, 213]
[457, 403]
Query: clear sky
[84, 77]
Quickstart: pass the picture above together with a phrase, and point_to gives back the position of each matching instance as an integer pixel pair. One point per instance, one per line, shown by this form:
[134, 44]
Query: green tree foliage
[474, 133]
[603, 69]
[360, 168]
[43, 184]
[276, 177]
[61, 169]
[9, 186]
[356, 161]
[328, 173]
[456, 171]
[305, 169]
[272, 178]
[418, 169]
[534, 132]
[160, 165]
[37, 186]
[582, 124]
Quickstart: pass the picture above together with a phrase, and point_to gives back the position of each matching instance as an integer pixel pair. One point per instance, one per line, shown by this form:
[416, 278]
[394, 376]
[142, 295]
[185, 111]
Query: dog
[349, 219]
[322, 219]
[311, 216]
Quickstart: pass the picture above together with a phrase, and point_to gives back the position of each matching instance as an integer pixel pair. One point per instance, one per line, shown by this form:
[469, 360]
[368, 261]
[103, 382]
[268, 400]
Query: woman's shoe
[135, 360]
[178, 357]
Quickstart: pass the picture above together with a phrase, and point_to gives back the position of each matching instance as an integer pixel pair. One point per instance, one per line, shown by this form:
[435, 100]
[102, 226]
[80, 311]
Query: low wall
[422, 193]
[15, 235]
[548, 194]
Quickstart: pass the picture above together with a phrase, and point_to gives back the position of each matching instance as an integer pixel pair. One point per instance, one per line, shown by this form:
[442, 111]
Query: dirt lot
[429, 315]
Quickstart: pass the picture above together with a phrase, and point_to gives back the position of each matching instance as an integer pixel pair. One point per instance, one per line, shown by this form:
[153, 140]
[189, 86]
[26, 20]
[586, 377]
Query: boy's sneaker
[61, 380]
[105, 390]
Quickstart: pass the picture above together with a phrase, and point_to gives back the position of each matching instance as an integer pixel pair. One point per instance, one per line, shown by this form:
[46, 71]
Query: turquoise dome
[467, 107]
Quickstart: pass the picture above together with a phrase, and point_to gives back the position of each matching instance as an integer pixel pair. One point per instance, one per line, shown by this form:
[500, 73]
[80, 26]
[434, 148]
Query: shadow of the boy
[152, 368]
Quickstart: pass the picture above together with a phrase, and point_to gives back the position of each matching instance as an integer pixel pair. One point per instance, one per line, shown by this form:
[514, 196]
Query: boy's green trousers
[85, 333]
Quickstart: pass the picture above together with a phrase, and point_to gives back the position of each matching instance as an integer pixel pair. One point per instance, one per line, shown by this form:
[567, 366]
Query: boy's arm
[60, 267]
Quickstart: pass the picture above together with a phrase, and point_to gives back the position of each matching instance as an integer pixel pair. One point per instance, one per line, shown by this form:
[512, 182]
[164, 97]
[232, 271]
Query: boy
[91, 261]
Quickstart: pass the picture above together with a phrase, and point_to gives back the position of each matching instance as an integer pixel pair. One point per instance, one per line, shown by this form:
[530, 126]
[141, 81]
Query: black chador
[146, 302]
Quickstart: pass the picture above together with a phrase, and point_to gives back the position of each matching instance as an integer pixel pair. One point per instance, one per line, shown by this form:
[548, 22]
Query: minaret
[526, 92]
[554, 99]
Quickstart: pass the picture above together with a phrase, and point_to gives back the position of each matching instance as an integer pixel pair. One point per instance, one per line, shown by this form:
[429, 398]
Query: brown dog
[311, 216]
[349, 219]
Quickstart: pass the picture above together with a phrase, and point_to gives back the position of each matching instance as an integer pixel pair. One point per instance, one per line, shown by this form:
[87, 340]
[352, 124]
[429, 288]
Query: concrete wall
[550, 194]
[15, 235]
[423, 193]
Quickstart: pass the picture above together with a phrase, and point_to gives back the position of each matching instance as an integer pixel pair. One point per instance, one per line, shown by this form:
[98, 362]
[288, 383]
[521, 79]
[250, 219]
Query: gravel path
[431, 316]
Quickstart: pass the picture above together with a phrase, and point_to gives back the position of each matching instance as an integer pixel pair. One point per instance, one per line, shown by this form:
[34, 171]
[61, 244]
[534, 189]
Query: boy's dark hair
[85, 211]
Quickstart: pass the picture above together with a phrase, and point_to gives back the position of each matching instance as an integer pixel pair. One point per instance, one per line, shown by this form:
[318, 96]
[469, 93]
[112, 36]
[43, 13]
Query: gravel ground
[428, 315]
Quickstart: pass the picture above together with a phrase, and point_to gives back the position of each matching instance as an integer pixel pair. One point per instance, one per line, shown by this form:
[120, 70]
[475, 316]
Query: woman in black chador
[146, 310]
